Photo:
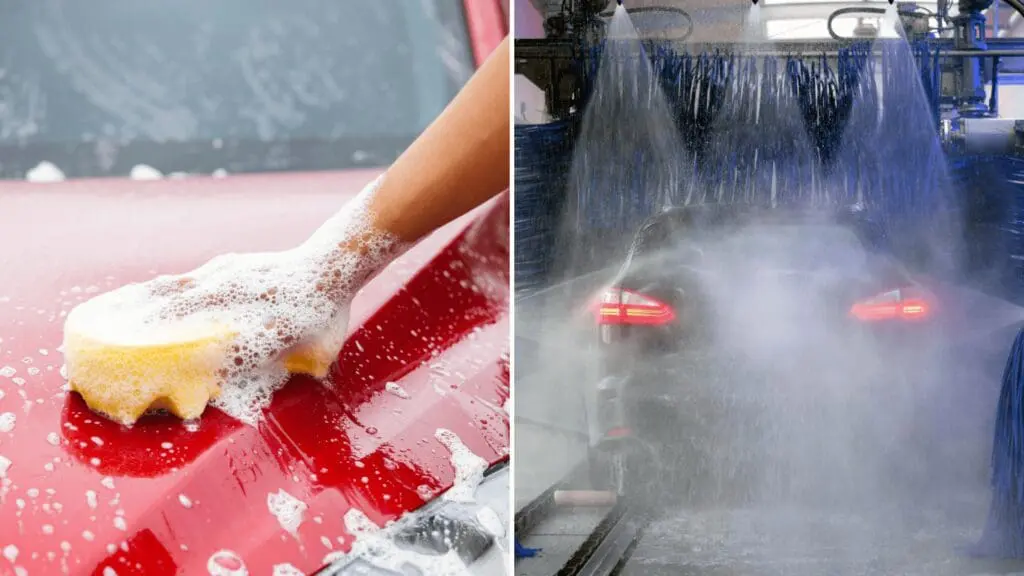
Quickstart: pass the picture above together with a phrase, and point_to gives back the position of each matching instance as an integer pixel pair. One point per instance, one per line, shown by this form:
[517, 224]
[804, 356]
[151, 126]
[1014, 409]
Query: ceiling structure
[717, 20]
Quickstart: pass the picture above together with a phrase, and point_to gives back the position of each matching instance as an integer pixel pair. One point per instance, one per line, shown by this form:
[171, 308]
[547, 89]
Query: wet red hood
[82, 493]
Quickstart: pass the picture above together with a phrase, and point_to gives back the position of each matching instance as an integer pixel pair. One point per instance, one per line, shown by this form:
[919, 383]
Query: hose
[1017, 5]
[865, 10]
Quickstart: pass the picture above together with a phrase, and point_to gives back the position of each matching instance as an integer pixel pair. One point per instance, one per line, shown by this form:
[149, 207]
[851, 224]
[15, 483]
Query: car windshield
[99, 87]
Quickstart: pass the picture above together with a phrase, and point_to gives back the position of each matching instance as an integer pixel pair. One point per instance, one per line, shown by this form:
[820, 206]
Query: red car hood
[428, 350]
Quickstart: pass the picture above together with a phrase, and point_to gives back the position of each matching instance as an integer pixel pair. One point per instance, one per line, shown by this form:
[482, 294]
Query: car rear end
[717, 311]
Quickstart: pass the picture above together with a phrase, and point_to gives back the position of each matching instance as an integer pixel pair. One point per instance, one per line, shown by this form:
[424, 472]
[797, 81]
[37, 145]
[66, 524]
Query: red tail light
[626, 307]
[895, 305]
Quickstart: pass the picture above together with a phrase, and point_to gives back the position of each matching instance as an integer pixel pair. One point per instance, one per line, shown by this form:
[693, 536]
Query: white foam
[185, 500]
[469, 468]
[373, 543]
[11, 553]
[90, 499]
[5, 465]
[144, 172]
[287, 570]
[45, 172]
[491, 521]
[397, 390]
[7, 421]
[226, 563]
[252, 307]
[287, 509]
[53, 439]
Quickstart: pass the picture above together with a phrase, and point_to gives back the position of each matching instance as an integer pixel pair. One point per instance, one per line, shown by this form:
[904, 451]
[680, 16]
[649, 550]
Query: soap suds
[287, 509]
[7, 421]
[5, 465]
[90, 499]
[185, 500]
[396, 390]
[11, 553]
[234, 314]
[8, 371]
[144, 172]
[375, 544]
[53, 439]
[491, 522]
[287, 570]
[226, 563]
[469, 468]
[45, 172]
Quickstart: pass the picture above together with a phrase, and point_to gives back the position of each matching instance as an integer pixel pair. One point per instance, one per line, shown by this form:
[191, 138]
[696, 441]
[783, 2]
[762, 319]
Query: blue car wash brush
[1004, 531]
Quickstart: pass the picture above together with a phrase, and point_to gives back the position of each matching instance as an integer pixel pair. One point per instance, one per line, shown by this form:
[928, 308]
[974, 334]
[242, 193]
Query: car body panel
[427, 350]
[434, 323]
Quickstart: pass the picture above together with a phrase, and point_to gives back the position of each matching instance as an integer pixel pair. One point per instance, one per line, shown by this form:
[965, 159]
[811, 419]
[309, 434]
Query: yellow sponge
[124, 381]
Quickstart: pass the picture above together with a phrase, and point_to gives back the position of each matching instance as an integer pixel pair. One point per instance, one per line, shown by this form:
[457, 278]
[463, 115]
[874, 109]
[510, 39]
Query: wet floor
[928, 541]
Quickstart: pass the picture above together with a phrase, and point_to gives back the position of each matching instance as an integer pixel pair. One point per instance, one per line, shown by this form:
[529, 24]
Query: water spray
[892, 179]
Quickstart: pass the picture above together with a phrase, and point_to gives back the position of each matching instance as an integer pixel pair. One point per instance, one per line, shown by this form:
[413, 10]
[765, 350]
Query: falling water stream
[760, 152]
[629, 160]
[814, 466]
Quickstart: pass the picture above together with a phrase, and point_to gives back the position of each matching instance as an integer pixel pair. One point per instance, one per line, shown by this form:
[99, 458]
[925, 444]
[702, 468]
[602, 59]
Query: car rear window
[95, 87]
[801, 247]
[780, 244]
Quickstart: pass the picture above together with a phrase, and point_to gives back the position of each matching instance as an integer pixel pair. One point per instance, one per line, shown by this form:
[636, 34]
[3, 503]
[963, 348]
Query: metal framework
[554, 65]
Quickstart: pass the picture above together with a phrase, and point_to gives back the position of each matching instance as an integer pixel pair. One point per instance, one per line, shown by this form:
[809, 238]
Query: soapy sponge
[123, 374]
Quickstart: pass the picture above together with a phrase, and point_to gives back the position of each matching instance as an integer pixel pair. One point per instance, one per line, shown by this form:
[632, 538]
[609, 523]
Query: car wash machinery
[970, 122]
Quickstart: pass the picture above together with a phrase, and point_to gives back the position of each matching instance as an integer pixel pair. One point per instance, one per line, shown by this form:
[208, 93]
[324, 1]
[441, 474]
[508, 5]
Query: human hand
[273, 304]
[231, 330]
[284, 305]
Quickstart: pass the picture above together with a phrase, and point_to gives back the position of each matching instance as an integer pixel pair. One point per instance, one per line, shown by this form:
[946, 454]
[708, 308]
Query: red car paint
[168, 499]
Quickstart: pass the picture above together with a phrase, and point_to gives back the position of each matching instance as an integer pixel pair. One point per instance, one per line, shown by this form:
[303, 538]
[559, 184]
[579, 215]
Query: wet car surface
[83, 492]
[416, 404]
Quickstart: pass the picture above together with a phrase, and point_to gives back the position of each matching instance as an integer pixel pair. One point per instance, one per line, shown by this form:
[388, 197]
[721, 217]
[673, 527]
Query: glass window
[96, 87]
